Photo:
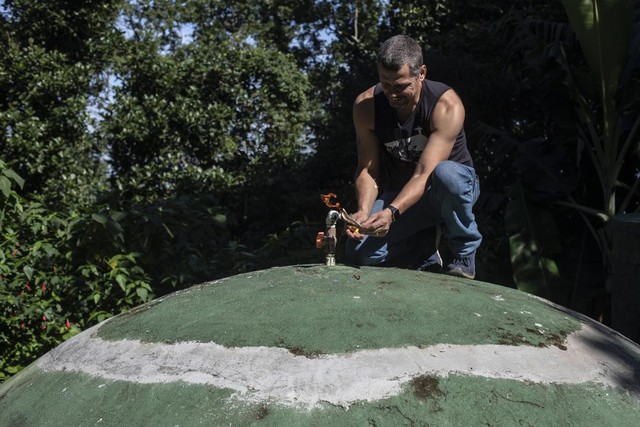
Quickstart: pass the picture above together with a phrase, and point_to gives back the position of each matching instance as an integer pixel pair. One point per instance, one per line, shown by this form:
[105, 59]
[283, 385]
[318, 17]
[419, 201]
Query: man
[414, 169]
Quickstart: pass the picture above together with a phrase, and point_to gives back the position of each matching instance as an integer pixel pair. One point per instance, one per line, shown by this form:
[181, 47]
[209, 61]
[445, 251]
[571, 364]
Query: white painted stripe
[274, 374]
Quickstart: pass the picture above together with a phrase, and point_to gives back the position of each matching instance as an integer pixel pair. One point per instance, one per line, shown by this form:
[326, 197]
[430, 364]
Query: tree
[209, 115]
[53, 55]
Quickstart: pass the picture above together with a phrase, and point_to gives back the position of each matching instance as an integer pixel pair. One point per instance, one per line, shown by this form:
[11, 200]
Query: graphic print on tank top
[405, 146]
[402, 144]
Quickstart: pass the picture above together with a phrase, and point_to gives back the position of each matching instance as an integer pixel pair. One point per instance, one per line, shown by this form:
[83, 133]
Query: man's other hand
[378, 224]
[354, 233]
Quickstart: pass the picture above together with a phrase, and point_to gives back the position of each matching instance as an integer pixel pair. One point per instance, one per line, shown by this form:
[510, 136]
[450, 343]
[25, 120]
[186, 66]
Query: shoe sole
[459, 273]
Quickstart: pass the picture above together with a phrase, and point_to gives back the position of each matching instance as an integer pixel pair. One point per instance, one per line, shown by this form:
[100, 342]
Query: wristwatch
[395, 213]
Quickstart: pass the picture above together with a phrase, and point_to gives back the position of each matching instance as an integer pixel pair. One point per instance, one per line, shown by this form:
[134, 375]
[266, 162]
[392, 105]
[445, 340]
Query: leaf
[604, 30]
[118, 216]
[142, 293]
[5, 186]
[220, 220]
[116, 230]
[28, 271]
[122, 281]
[14, 176]
[100, 218]
[72, 332]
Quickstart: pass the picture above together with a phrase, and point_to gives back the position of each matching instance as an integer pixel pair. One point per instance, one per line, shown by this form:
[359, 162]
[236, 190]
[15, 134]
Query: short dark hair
[400, 50]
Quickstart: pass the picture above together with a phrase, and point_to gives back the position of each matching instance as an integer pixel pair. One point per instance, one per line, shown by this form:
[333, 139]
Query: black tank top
[401, 144]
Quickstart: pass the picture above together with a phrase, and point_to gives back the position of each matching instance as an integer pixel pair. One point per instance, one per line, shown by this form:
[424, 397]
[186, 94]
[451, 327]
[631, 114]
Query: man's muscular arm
[368, 157]
[446, 122]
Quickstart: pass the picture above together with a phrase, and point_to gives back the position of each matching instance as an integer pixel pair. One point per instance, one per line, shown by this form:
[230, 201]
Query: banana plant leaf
[604, 30]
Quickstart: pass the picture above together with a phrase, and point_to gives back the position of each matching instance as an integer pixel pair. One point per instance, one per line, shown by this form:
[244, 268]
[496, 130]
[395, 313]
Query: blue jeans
[449, 199]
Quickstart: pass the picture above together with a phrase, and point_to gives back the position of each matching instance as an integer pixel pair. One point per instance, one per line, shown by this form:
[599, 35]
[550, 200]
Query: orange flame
[326, 199]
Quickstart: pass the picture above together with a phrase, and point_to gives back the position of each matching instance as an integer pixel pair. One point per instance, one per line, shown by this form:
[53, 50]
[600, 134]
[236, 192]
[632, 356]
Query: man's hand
[353, 233]
[378, 224]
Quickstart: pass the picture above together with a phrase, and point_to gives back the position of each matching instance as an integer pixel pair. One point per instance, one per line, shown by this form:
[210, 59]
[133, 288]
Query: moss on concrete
[55, 400]
[315, 310]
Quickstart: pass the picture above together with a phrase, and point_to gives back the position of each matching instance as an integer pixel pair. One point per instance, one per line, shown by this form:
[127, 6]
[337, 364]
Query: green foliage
[51, 57]
[74, 28]
[289, 246]
[163, 180]
[604, 30]
[578, 160]
[52, 283]
[209, 116]
[534, 242]
[349, 68]
[61, 273]
[45, 123]
[180, 241]
[165, 143]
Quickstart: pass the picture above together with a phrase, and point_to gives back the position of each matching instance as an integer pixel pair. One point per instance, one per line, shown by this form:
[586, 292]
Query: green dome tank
[315, 345]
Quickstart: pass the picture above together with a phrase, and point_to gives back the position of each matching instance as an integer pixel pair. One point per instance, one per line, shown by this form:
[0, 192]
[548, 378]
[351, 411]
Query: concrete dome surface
[316, 345]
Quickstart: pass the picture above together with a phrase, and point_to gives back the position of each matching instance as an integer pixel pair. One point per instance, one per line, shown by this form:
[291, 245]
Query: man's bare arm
[446, 122]
[368, 155]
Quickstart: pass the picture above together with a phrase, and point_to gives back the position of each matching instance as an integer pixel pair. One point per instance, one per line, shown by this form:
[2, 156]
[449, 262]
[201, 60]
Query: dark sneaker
[462, 267]
[432, 264]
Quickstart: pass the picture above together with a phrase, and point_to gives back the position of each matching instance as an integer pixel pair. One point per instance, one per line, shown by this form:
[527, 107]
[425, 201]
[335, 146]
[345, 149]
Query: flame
[326, 199]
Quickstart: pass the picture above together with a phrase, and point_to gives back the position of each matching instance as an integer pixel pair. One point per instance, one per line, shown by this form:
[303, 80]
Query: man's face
[401, 89]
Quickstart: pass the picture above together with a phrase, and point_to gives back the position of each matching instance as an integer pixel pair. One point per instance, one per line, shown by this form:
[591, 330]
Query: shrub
[53, 281]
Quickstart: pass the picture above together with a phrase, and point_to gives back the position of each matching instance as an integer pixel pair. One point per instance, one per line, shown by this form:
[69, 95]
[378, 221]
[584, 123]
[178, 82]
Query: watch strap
[395, 213]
